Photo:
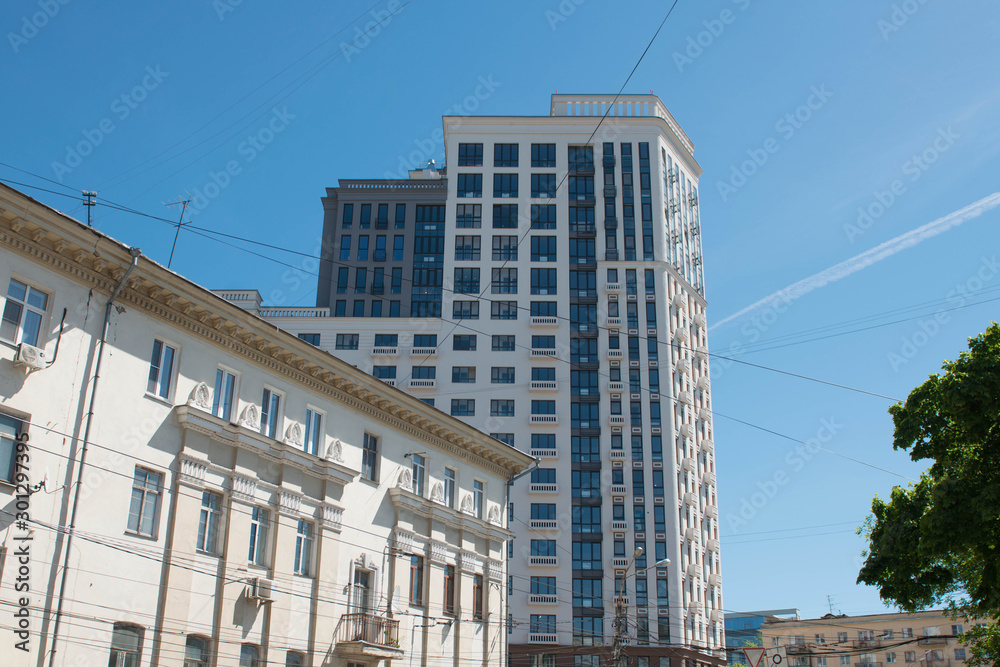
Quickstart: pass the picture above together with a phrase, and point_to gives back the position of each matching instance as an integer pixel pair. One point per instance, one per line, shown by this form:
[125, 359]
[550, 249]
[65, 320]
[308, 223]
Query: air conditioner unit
[259, 588]
[32, 358]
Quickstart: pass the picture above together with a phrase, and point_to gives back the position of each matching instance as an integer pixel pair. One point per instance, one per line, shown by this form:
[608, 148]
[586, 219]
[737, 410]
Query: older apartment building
[549, 290]
[921, 639]
[184, 484]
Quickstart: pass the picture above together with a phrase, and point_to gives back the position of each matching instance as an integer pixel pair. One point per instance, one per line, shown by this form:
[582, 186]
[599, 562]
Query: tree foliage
[938, 541]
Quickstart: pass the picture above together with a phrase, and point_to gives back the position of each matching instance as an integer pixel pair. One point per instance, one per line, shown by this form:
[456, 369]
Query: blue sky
[824, 130]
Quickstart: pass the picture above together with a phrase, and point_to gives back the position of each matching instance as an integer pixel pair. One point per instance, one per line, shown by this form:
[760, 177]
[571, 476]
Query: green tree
[938, 541]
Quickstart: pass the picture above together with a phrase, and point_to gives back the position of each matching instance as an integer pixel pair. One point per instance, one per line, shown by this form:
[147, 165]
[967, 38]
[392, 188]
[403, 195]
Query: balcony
[545, 453]
[690, 498]
[544, 385]
[705, 415]
[423, 384]
[704, 383]
[707, 445]
[616, 387]
[689, 464]
[610, 191]
[796, 648]
[544, 321]
[614, 323]
[534, 638]
[615, 354]
[691, 533]
[543, 524]
[386, 351]
[715, 580]
[702, 353]
[612, 287]
[368, 635]
[618, 490]
[542, 599]
[423, 352]
[617, 454]
[544, 488]
[694, 570]
[708, 478]
[543, 561]
[712, 545]
[545, 419]
[616, 420]
[684, 366]
[619, 563]
[711, 511]
[684, 397]
[389, 381]
[687, 431]
[543, 351]
[619, 525]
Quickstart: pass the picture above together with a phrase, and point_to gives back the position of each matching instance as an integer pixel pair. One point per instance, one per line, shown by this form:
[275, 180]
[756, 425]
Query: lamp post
[617, 659]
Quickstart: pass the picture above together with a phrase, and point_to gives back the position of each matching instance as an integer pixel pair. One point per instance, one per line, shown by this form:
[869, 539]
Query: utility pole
[180, 223]
[621, 620]
[89, 197]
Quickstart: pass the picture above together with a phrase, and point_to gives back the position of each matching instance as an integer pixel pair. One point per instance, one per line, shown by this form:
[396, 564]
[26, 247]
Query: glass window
[449, 589]
[585, 449]
[463, 407]
[504, 281]
[347, 217]
[470, 155]
[464, 342]
[469, 216]
[586, 520]
[465, 310]
[543, 155]
[544, 281]
[126, 645]
[504, 248]
[586, 484]
[470, 185]
[588, 630]
[546, 548]
[419, 473]
[502, 375]
[543, 186]
[416, 580]
[196, 651]
[270, 406]
[543, 440]
[543, 249]
[449, 487]
[208, 522]
[161, 369]
[504, 155]
[467, 280]
[145, 506]
[478, 497]
[400, 216]
[23, 313]
[501, 408]
[293, 659]
[503, 310]
[249, 656]
[587, 593]
[369, 458]
[314, 432]
[504, 343]
[260, 521]
[463, 374]
[504, 216]
[467, 247]
[303, 547]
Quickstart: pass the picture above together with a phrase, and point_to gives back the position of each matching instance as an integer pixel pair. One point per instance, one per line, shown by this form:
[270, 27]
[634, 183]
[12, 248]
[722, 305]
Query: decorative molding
[366, 562]
[244, 488]
[402, 540]
[437, 493]
[494, 570]
[293, 435]
[333, 517]
[250, 418]
[467, 507]
[494, 516]
[441, 553]
[335, 451]
[290, 503]
[405, 480]
[201, 397]
[193, 471]
[470, 561]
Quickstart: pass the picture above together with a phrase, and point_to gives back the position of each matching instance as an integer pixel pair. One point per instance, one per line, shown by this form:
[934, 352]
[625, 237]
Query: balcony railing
[544, 419]
[544, 561]
[542, 599]
[370, 629]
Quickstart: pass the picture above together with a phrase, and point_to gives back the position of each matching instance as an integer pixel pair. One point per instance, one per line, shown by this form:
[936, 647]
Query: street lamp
[616, 650]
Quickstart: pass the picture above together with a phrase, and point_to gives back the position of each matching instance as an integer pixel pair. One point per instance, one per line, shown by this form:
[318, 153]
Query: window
[369, 458]
[346, 342]
[543, 216]
[463, 374]
[260, 520]
[416, 580]
[504, 281]
[504, 248]
[502, 375]
[347, 219]
[845, 659]
[396, 287]
[586, 520]
[470, 185]
[507, 439]
[470, 155]
[295, 659]
[424, 372]
[581, 157]
[960, 654]
[449, 487]
[543, 440]
[544, 309]
[345, 248]
[890, 656]
[543, 585]
[585, 415]
[419, 473]
[425, 340]
[314, 432]
[504, 155]
[161, 368]
[311, 338]
[586, 484]
[145, 506]
[583, 383]
[583, 251]
[379, 255]
[469, 216]
[543, 249]
[543, 155]
[544, 281]
[659, 516]
[821, 661]
[363, 247]
[581, 219]
[543, 660]
[501, 408]
[23, 314]
[542, 624]
[343, 279]
[467, 247]
[270, 405]
[477, 597]
[543, 186]
[639, 518]
[910, 656]
[465, 310]
[208, 522]
[505, 186]
[467, 280]
[504, 344]
[303, 547]
[464, 342]
[588, 630]
[449, 589]
[841, 637]
[400, 216]
[366, 216]
[196, 652]
[585, 449]
[478, 494]
[504, 216]
[126, 645]
[503, 310]
[641, 591]
[463, 407]
[587, 593]
[543, 547]
[397, 248]
[581, 188]
[249, 656]
[543, 407]
[956, 630]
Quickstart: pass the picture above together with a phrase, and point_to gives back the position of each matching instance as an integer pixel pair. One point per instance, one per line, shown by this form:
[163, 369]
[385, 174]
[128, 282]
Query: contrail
[869, 257]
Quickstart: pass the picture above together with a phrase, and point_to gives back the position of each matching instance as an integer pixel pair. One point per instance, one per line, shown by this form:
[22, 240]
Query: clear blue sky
[267, 91]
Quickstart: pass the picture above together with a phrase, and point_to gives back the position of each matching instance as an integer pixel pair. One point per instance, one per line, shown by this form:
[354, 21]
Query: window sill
[132, 533]
[159, 399]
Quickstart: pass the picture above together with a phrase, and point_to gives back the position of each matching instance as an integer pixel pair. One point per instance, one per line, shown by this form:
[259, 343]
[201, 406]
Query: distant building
[922, 639]
[744, 626]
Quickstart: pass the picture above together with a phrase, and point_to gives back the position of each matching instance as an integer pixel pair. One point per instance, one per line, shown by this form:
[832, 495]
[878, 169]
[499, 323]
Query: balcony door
[361, 592]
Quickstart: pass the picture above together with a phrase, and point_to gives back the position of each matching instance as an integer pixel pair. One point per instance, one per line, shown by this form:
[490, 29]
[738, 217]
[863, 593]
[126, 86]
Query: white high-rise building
[548, 289]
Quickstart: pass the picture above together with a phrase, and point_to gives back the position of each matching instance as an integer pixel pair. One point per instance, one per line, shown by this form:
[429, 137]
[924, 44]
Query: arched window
[249, 656]
[126, 645]
[196, 651]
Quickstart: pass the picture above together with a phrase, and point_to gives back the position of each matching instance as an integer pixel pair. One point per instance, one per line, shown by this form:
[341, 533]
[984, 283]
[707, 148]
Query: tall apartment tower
[556, 302]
